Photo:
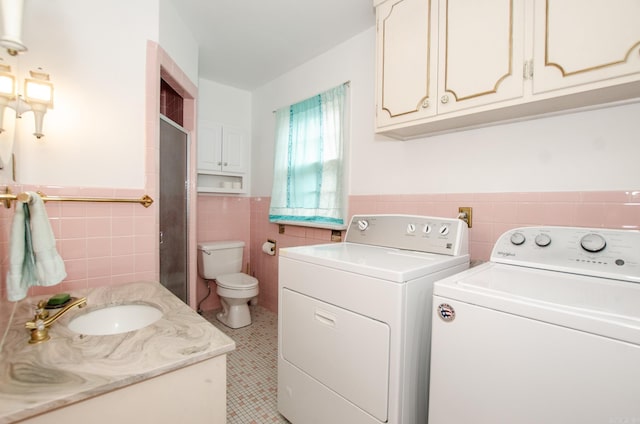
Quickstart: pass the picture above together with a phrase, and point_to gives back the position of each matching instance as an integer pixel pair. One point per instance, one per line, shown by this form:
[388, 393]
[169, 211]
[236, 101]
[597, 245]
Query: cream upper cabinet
[443, 65]
[437, 57]
[406, 60]
[585, 45]
[481, 45]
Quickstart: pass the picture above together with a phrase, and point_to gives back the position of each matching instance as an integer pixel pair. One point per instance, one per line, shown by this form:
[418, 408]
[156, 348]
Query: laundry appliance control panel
[447, 236]
[597, 252]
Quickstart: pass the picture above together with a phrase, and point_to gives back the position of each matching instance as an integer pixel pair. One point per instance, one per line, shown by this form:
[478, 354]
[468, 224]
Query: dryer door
[345, 351]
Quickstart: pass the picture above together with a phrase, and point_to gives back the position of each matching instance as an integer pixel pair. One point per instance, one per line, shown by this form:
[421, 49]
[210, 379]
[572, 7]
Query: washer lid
[237, 280]
[596, 305]
[379, 262]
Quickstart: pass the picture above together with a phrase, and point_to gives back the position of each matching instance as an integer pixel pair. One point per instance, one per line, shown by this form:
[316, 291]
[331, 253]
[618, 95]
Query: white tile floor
[252, 369]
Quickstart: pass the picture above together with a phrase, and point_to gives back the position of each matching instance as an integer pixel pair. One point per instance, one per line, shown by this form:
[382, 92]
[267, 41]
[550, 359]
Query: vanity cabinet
[198, 390]
[221, 159]
[449, 64]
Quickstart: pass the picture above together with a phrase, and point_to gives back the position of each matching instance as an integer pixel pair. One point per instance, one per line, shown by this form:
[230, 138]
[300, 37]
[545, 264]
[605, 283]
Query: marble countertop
[71, 367]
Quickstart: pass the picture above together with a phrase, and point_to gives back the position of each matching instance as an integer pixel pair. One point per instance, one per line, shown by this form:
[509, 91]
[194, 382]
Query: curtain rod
[25, 197]
[347, 83]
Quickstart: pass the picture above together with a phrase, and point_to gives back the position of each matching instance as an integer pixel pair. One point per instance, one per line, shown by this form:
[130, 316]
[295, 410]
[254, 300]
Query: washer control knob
[593, 242]
[411, 228]
[517, 238]
[363, 224]
[426, 229]
[543, 240]
[444, 230]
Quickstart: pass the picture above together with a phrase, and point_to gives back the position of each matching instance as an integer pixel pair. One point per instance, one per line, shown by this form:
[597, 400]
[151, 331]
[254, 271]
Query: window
[309, 169]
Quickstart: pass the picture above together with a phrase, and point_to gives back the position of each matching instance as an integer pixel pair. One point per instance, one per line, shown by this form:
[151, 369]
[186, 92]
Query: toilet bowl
[236, 291]
[221, 261]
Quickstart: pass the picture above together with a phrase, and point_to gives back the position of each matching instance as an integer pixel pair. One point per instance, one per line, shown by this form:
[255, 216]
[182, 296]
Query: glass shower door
[173, 208]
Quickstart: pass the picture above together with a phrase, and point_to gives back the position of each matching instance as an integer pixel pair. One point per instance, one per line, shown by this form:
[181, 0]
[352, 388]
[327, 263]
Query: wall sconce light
[38, 96]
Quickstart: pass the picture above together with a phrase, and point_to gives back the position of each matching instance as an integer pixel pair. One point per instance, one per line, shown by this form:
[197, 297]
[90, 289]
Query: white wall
[95, 53]
[224, 104]
[594, 150]
[176, 39]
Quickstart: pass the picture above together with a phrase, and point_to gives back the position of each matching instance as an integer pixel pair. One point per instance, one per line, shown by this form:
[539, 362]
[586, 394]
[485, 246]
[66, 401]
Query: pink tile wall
[100, 243]
[265, 267]
[5, 228]
[493, 214]
[222, 218]
[111, 243]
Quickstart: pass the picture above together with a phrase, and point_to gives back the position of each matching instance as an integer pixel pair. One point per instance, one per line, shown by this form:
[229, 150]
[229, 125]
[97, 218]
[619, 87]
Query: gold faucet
[42, 321]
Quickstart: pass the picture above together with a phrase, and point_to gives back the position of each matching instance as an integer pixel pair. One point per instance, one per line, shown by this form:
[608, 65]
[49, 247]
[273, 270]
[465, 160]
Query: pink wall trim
[160, 65]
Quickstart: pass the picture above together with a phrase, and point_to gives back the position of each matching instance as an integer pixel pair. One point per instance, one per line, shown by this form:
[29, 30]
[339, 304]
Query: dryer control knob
[411, 228]
[444, 230]
[593, 242]
[363, 224]
[543, 240]
[426, 229]
[517, 238]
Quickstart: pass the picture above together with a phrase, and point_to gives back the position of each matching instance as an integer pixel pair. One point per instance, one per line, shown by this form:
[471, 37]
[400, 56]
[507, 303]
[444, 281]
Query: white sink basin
[115, 319]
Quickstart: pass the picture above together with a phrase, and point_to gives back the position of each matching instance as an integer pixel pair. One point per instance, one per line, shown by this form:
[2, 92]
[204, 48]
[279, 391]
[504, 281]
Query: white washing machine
[355, 318]
[546, 332]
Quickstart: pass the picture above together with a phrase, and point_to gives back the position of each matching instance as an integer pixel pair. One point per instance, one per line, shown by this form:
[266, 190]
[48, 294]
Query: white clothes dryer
[354, 319]
[546, 332]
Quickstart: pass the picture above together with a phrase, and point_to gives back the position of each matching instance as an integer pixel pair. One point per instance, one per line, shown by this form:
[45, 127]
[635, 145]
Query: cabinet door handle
[219, 163]
[425, 104]
[444, 99]
[226, 163]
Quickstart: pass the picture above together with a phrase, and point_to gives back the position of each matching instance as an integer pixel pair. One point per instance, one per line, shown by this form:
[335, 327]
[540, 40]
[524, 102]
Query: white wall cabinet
[585, 44]
[406, 61]
[481, 53]
[449, 64]
[437, 57]
[222, 159]
[221, 148]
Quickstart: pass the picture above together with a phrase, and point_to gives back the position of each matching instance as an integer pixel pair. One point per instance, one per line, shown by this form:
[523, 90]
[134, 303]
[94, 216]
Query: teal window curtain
[308, 186]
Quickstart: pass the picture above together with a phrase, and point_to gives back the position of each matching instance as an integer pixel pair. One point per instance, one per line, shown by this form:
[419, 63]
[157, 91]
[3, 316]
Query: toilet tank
[219, 257]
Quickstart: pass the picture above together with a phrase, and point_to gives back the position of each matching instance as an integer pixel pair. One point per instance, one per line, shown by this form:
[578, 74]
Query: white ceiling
[246, 43]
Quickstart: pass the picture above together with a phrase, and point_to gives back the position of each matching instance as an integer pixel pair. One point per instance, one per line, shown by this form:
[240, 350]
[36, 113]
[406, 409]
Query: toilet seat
[237, 281]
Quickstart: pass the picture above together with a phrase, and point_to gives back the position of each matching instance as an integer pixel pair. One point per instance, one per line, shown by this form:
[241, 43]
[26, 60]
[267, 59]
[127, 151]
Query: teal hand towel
[33, 258]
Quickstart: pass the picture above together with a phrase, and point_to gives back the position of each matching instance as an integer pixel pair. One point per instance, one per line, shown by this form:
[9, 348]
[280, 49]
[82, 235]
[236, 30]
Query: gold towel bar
[145, 200]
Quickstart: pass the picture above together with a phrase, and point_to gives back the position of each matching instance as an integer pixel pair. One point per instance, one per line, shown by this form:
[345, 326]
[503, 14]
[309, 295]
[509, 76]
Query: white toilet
[222, 261]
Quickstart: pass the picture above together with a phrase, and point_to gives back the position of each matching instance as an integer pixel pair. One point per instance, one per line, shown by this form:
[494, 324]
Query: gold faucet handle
[41, 312]
[40, 315]
[38, 328]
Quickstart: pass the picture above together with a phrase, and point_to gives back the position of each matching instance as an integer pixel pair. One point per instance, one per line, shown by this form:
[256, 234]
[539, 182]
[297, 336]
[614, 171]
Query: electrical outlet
[465, 213]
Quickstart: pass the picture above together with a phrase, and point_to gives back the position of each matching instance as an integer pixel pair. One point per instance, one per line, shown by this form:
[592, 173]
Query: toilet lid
[238, 280]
